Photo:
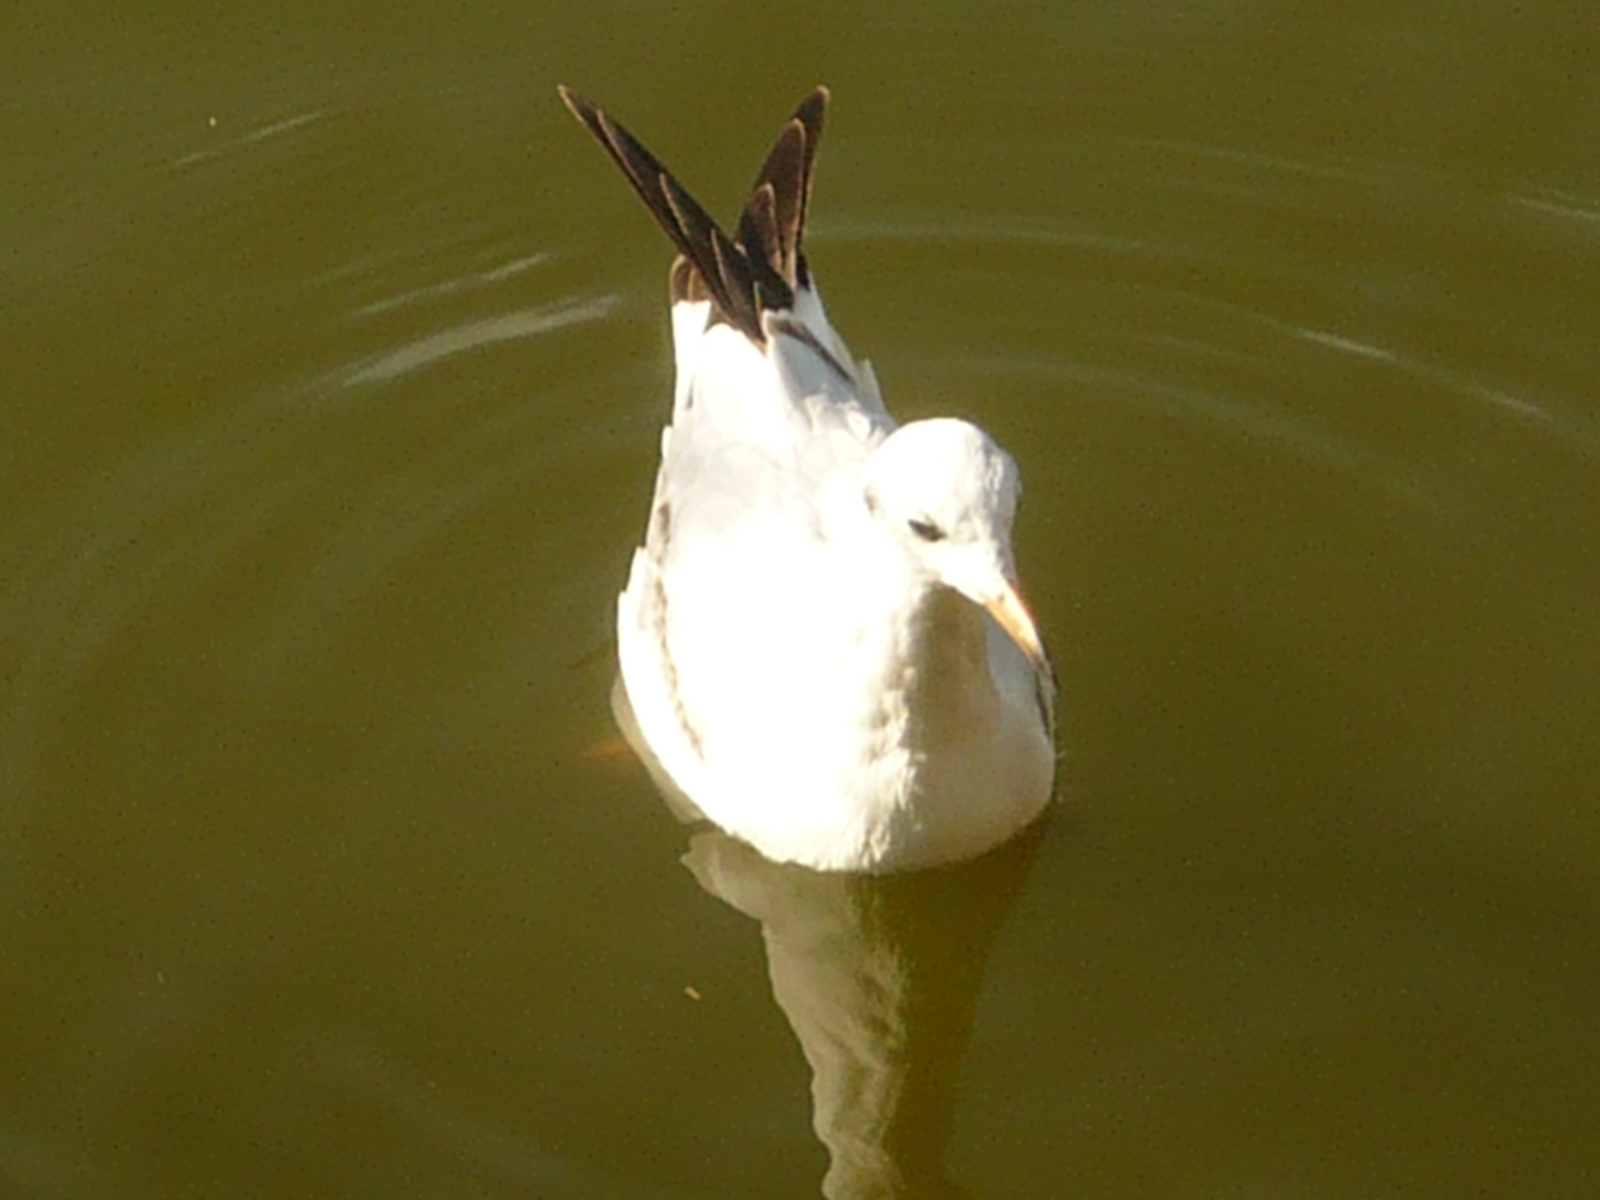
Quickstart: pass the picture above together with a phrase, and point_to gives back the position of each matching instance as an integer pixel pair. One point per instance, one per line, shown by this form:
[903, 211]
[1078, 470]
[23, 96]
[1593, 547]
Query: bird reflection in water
[879, 978]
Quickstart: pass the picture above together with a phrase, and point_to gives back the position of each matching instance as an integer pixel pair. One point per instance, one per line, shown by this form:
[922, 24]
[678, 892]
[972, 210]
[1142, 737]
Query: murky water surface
[334, 356]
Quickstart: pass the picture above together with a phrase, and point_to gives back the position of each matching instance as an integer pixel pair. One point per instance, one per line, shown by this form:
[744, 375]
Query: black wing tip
[742, 278]
[815, 105]
[579, 106]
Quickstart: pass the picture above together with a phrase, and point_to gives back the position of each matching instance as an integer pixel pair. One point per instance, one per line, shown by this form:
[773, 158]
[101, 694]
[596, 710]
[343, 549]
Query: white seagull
[821, 640]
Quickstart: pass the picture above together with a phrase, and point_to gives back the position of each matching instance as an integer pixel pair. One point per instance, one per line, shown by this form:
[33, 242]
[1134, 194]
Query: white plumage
[821, 640]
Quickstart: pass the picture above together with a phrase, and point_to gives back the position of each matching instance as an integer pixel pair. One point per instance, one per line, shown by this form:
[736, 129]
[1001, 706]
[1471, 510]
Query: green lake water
[333, 357]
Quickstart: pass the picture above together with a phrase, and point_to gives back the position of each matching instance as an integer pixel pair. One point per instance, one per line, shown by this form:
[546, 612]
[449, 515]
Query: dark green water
[332, 359]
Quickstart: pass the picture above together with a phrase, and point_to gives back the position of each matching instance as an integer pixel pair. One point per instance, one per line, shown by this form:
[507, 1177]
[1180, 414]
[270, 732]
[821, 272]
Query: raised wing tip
[816, 102]
[760, 270]
[580, 106]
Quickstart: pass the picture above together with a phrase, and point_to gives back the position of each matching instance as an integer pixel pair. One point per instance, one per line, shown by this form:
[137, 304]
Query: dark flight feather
[760, 270]
[778, 228]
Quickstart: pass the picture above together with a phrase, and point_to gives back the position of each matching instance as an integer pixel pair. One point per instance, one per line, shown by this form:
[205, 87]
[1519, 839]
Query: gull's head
[947, 494]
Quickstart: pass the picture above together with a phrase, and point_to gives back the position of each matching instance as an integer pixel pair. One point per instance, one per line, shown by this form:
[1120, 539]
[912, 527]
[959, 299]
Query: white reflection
[879, 978]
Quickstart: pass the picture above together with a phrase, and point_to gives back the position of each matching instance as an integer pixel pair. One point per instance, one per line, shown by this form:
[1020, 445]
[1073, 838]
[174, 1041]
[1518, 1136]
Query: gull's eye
[926, 530]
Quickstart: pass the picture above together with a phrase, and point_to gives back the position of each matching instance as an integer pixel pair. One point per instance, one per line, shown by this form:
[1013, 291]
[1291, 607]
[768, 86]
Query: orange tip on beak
[1012, 615]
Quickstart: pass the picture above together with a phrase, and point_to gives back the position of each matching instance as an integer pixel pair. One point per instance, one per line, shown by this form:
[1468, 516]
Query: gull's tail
[763, 267]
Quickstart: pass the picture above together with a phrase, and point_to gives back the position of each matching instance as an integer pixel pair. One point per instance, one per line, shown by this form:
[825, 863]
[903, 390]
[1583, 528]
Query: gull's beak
[1012, 615]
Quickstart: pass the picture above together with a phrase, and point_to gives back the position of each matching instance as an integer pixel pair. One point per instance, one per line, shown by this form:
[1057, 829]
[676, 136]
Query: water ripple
[249, 138]
[191, 511]
[438, 291]
[506, 327]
